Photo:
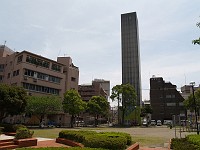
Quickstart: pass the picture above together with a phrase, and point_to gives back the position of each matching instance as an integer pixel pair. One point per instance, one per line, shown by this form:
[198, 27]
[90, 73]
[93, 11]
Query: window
[42, 76]
[39, 88]
[15, 73]
[181, 104]
[19, 59]
[171, 104]
[168, 96]
[1, 67]
[73, 79]
[56, 67]
[8, 75]
[1, 78]
[37, 61]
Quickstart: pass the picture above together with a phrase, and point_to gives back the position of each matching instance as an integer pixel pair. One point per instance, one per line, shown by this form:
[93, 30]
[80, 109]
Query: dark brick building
[165, 100]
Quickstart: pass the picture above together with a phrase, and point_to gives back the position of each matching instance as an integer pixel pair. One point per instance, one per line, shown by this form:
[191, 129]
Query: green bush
[60, 148]
[126, 135]
[183, 144]
[108, 140]
[77, 136]
[23, 133]
[17, 126]
[104, 141]
[7, 127]
[11, 127]
[194, 139]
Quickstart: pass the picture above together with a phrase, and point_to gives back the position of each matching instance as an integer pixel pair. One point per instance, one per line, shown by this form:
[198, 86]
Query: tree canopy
[197, 41]
[189, 102]
[13, 100]
[43, 105]
[98, 106]
[73, 104]
[147, 109]
[126, 96]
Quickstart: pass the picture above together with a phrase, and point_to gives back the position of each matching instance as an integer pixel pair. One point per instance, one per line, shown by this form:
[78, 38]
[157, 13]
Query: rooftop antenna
[59, 52]
[4, 43]
[185, 78]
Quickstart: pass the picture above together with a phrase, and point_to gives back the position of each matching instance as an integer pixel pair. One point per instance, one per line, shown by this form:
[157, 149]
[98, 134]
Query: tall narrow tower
[131, 53]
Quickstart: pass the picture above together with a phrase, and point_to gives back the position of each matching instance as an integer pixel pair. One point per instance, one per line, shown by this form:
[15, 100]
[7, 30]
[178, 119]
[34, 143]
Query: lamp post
[195, 107]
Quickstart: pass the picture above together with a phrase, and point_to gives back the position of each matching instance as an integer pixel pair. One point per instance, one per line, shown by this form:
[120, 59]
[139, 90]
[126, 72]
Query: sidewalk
[47, 142]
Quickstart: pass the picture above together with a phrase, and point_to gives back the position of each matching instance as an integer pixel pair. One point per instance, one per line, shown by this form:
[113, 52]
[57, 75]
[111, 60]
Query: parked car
[167, 122]
[144, 122]
[153, 122]
[159, 123]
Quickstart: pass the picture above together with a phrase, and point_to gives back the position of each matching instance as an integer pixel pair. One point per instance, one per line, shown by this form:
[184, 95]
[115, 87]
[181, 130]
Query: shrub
[23, 133]
[7, 128]
[17, 126]
[194, 139]
[126, 135]
[11, 127]
[108, 140]
[183, 144]
[77, 136]
[104, 141]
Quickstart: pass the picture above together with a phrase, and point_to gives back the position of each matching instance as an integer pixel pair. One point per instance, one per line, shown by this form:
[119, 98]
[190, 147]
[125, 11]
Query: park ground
[145, 136]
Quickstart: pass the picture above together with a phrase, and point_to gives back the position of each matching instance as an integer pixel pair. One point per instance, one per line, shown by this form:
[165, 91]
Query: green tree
[43, 105]
[13, 100]
[115, 96]
[98, 106]
[128, 100]
[189, 102]
[73, 104]
[147, 109]
[197, 41]
[126, 96]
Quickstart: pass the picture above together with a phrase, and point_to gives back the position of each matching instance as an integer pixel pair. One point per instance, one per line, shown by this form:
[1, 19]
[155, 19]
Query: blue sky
[89, 32]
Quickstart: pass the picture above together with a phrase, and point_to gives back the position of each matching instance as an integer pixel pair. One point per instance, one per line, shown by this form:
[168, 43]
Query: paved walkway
[47, 142]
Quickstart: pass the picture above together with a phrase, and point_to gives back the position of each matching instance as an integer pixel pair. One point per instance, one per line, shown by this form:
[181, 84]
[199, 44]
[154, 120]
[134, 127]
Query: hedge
[191, 142]
[77, 136]
[108, 140]
[105, 141]
[11, 127]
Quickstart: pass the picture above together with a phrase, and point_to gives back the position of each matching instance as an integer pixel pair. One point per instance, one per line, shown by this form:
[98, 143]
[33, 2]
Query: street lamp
[195, 107]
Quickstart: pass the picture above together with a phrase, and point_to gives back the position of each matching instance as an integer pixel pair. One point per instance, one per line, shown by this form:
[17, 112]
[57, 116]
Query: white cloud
[89, 32]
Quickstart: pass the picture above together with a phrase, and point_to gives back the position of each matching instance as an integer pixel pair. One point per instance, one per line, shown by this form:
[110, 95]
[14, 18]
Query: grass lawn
[141, 139]
[150, 141]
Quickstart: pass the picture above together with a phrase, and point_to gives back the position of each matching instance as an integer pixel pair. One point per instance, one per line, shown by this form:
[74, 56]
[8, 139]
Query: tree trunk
[72, 121]
[123, 114]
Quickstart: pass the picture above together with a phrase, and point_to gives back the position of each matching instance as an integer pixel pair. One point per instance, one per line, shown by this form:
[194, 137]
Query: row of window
[42, 76]
[37, 61]
[41, 63]
[38, 88]
[15, 73]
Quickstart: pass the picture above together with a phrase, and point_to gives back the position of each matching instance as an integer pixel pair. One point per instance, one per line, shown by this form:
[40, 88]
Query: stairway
[7, 144]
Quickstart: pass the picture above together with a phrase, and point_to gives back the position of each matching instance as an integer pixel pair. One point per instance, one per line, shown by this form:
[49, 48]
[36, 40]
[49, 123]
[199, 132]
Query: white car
[159, 123]
[153, 122]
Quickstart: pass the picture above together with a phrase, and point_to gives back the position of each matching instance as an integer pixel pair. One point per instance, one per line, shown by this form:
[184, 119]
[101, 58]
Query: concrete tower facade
[131, 53]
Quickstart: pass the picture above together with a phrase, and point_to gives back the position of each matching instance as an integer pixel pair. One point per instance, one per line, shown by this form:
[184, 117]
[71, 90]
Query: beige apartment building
[99, 87]
[37, 74]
